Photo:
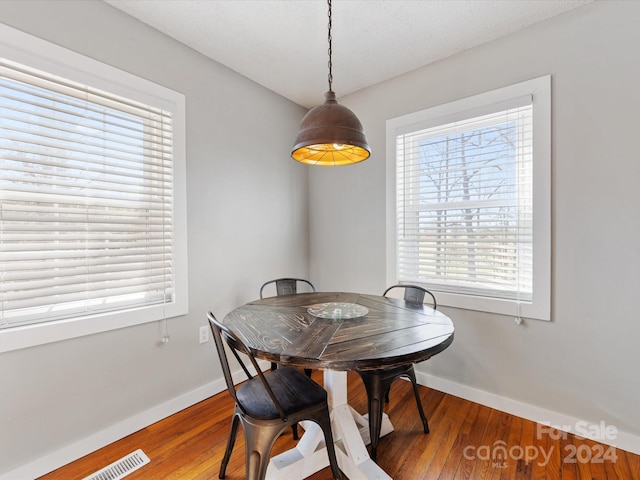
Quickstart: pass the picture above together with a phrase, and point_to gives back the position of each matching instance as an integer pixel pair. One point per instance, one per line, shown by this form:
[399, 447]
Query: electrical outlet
[204, 334]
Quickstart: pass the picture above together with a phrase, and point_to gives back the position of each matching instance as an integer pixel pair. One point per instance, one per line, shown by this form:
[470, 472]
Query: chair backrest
[413, 294]
[287, 286]
[236, 345]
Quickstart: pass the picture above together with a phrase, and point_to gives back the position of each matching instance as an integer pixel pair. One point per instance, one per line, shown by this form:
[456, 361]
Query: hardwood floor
[464, 443]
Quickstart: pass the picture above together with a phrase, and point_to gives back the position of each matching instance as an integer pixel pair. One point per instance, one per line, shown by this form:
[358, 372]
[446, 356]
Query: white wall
[247, 222]
[583, 364]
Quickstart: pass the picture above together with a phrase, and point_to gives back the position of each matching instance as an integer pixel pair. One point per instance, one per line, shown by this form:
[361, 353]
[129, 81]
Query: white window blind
[86, 200]
[464, 203]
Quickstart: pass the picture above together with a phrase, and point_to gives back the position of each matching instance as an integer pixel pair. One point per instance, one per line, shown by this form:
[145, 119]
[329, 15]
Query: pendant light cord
[330, 51]
[330, 134]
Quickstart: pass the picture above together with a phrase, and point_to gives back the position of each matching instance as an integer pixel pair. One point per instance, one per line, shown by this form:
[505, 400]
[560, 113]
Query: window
[471, 200]
[91, 195]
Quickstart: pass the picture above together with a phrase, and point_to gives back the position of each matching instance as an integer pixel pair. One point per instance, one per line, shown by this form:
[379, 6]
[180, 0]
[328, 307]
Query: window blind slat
[93, 301]
[19, 119]
[475, 117]
[74, 90]
[49, 152]
[68, 140]
[49, 155]
[26, 272]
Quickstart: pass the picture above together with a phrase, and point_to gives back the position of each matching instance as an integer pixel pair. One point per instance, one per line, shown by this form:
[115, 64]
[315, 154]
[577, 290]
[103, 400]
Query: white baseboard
[595, 431]
[120, 430]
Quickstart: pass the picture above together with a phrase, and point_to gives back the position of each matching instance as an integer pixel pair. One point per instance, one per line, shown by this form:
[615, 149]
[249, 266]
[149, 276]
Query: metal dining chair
[267, 404]
[378, 382]
[287, 286]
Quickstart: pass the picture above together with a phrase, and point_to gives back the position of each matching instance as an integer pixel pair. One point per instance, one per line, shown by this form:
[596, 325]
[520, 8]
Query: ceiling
[282, 44]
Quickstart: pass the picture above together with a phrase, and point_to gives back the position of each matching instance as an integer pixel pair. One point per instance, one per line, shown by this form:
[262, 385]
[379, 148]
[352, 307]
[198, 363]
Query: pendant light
[330, 134]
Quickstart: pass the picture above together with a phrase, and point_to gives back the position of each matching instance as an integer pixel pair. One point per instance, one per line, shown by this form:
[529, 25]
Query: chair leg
[230, 443]
[325, 424]
[412, 376]
[375, 425]
[258, 442]
[377, 388]
[257, 463]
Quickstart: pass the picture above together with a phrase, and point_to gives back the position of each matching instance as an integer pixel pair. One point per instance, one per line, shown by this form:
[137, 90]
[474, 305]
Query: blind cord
[518, 317]
[165, 322]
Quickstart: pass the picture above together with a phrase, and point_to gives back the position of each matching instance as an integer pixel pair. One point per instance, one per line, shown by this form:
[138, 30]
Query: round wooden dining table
[337, 332]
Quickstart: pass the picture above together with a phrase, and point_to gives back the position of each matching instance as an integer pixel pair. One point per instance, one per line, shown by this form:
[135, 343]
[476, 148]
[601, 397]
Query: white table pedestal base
[350, 433]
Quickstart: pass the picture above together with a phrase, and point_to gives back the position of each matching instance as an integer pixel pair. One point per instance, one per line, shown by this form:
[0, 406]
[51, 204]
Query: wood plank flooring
[464, 443]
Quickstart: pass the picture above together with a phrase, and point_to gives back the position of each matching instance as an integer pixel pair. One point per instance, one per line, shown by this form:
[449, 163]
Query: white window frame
[28, 50]
[540, 91]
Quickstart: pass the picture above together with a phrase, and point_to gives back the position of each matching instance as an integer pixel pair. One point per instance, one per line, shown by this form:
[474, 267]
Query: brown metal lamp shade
[330, 135]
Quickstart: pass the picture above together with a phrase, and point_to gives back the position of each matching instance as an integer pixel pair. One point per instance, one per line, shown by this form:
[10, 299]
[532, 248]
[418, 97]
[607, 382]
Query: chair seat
[295, 391]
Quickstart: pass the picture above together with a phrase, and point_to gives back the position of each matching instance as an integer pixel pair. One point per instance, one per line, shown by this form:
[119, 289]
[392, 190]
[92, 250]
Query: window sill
[512, 308]
[39, 334]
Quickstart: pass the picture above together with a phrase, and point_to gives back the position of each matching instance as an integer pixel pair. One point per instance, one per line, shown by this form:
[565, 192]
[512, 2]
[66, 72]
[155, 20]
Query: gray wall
[584, 363]
[247, 222]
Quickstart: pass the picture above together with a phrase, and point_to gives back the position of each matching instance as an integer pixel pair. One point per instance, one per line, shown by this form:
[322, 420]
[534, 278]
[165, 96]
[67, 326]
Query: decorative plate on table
[338, 310]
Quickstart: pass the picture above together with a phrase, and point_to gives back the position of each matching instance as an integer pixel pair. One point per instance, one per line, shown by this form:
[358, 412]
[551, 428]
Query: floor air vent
[121, 468]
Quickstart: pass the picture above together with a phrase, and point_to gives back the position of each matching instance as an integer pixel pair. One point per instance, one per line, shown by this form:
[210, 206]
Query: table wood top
[281, 330]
